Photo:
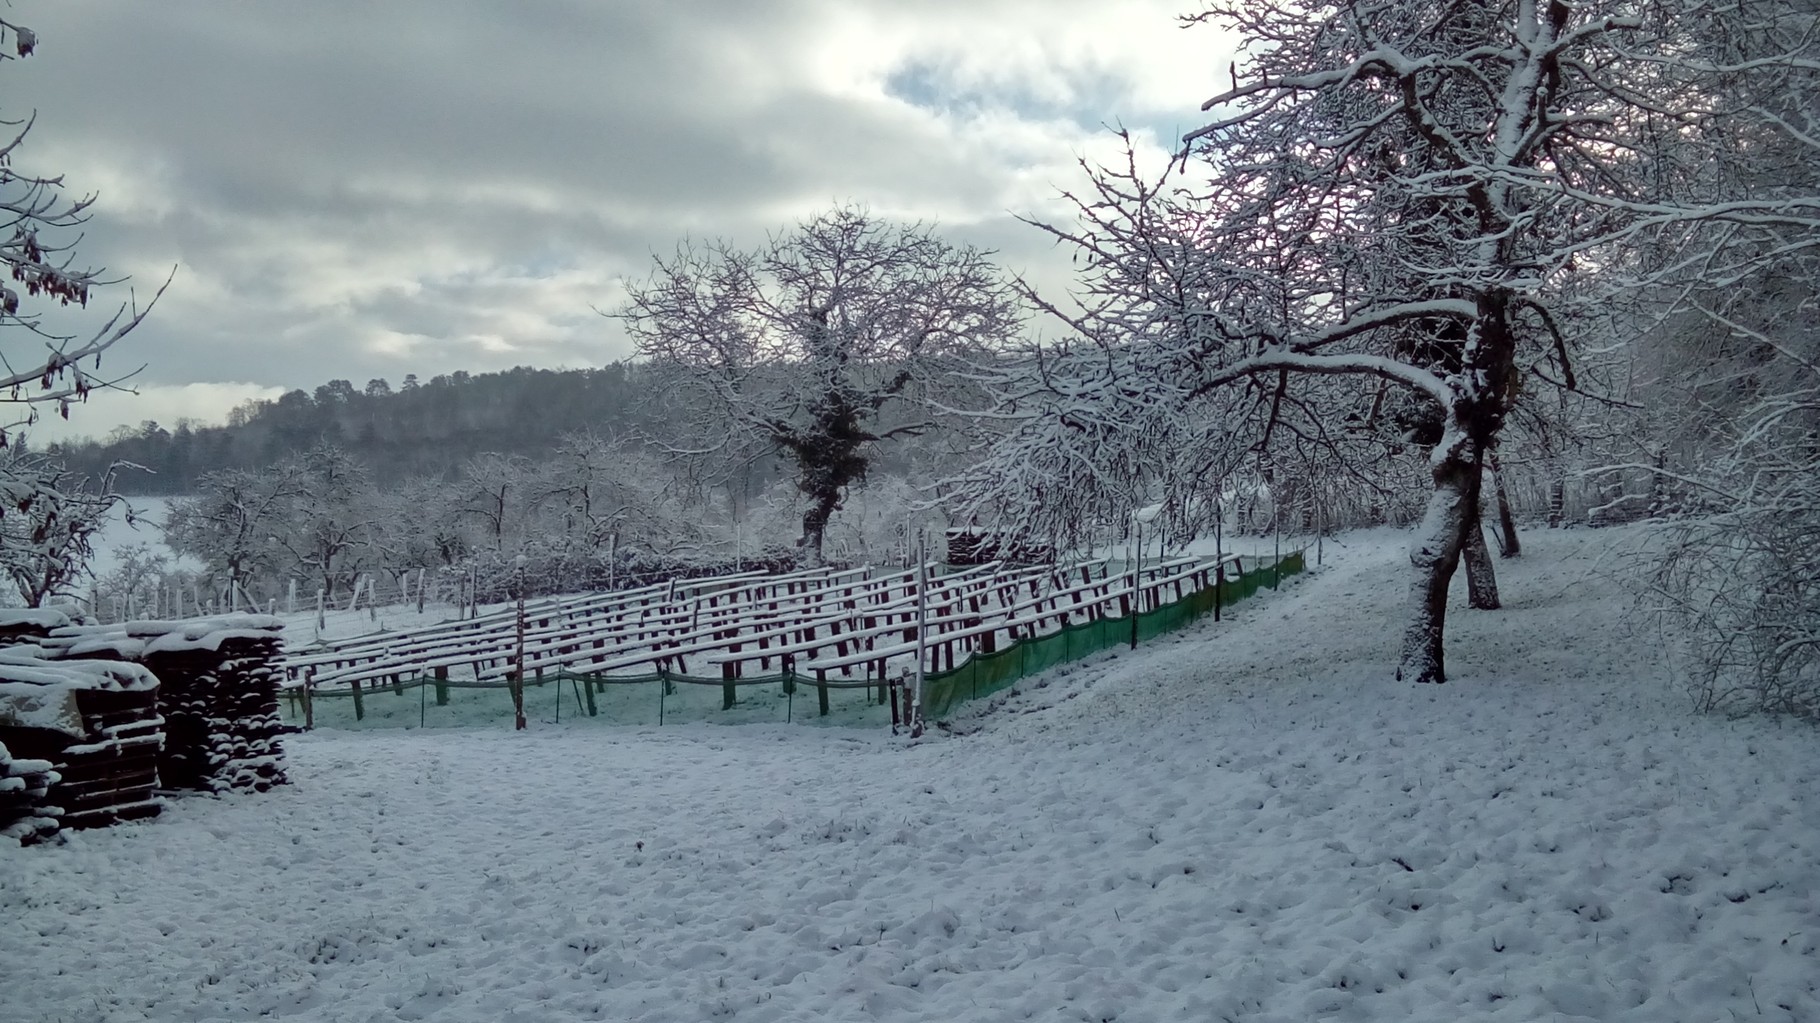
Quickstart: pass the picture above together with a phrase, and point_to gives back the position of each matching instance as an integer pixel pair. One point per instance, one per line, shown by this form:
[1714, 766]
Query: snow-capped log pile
[219, 693]
[81, 741]
[29, 624]
[25, 813]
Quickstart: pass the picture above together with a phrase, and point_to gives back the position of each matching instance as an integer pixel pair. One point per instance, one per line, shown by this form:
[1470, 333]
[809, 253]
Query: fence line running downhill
[665, 696]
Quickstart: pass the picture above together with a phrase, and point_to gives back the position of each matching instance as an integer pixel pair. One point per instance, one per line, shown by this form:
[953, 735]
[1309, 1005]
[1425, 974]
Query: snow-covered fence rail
[488, 639]
[594, 629]
[748, 660]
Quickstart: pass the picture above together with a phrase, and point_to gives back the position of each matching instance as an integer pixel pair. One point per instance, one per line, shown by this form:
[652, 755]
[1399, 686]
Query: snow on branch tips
[1407, 223]
[46, 516]
[39, 229]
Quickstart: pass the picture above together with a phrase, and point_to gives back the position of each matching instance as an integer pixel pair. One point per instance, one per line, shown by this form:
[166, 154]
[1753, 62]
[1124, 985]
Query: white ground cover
[1246, 821]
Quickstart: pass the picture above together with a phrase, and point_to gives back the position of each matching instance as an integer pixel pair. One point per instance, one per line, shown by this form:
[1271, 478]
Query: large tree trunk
[1507, 526]
[1452, 521]
[1481, 573]
[815, 527]
[1481, 576]
[1434, 556]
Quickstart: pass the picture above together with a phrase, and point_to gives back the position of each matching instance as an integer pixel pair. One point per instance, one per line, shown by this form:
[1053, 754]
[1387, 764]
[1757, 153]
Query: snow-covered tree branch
[1447, 197]
[41, 367]
[47, 516]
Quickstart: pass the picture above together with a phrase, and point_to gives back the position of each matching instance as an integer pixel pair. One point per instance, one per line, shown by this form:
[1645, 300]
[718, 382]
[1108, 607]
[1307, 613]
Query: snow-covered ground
[1245, 821]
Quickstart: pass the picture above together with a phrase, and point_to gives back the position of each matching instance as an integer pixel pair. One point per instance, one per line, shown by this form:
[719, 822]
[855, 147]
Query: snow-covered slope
[1247, 821]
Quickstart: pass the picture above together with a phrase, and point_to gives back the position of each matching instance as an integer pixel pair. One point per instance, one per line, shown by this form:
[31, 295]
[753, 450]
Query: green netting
[669, 697]
[652, 699]
[985, 674]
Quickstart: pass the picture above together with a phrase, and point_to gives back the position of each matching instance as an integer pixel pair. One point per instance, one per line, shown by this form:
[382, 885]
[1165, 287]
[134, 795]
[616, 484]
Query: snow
[32, 617]
[31, 705]
[36, 693]
[25, 664]
[1248, 820]
[135, 639]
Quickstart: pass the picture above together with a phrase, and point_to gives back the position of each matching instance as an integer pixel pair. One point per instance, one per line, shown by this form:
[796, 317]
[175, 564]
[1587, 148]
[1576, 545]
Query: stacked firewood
[29, 624]
[219, 693]
[82, 740]
[221, 701]
[25, 812]
[95, 719]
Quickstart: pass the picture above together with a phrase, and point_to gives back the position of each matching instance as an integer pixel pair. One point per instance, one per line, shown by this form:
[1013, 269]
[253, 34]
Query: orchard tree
[235, 522]
[1738, 583]
[823, 342]
[311, 515]
[330, 529]
[607, 494]
[1440, 197]
[495, 493]
[418, 526]
[46, 516]
[39, 367]
[47, 534]
[1731, 371]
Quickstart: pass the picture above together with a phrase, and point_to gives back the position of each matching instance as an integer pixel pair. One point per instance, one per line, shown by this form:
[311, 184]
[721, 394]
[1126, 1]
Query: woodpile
[29, 624]
[95, 719]
[221, 708]
[25, 812]
[218, 693]
[82, 740]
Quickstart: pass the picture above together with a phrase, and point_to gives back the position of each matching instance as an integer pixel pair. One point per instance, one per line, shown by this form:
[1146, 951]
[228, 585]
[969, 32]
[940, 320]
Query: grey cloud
[331, 174]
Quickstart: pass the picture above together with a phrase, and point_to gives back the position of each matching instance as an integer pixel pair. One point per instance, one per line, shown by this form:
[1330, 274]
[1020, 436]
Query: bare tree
[607, 494]
[418, 526]
[312, 515]
[46, 516]
[47, 538]
[1737, 584]
[1730, 446]
[1444, 197]
[330, 531]
[235, 523]
[495, 490]
[39, 367]
[822, 341]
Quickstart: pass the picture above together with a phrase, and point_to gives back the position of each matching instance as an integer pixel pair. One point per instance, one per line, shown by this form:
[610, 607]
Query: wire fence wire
[667, 697]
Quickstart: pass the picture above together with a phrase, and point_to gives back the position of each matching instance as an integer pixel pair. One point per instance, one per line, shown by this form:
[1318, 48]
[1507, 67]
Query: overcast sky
[356, 190]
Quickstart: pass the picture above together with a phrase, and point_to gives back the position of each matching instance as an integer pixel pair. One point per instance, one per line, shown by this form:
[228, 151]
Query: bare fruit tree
[46, 514]
[39, 367]
[1731, 447]
[47, 538]
[234, 521]
[822, 343]
[1443, 198]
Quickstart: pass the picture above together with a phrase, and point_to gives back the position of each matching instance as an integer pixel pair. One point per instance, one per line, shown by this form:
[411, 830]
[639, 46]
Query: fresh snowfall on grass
[1246, 821]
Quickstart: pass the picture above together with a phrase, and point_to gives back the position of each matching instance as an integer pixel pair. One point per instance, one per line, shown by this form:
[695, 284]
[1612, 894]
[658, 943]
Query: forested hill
[415, 429]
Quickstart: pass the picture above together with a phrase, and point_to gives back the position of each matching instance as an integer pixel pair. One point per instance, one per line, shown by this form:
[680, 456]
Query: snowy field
[1245, 821]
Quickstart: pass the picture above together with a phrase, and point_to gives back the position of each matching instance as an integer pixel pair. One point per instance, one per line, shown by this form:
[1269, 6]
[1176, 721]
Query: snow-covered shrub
[1740, 589]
